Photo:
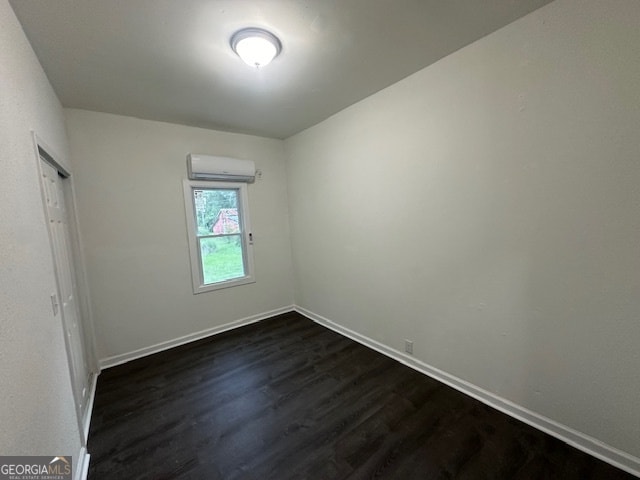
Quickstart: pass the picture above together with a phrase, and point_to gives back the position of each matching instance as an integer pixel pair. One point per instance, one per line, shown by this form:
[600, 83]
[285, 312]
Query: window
[220, 240]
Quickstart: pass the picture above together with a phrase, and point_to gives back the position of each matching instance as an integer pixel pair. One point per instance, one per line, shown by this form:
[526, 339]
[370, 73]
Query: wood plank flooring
[288, 399]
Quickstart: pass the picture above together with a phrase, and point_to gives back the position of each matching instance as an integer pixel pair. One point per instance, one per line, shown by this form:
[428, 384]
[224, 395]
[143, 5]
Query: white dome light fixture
[255, 46]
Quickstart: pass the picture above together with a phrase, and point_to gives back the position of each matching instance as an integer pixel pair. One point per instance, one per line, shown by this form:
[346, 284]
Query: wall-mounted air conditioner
[209, 167]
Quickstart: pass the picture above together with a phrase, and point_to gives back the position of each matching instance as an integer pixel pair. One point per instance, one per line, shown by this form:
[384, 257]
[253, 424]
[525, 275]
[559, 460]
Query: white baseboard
[579, 440]
[82, 465]
[159, 347]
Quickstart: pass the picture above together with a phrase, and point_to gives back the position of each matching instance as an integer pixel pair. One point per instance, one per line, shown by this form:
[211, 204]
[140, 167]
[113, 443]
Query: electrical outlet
[408, 347]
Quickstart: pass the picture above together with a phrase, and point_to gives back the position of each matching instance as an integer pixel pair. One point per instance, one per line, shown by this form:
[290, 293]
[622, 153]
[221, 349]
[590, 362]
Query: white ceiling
[170, 60]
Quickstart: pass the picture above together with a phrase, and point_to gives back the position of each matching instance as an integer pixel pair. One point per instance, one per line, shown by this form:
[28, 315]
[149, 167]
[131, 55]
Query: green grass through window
[221, 259]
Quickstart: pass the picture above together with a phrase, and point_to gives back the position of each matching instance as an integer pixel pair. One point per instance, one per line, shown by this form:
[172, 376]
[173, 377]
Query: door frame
[42, 150]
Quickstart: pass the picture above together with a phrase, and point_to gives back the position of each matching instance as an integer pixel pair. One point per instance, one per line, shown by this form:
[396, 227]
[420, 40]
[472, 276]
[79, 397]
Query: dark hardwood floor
[288, 399]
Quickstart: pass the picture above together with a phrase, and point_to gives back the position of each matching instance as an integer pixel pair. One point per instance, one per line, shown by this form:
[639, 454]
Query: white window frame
[197, 274]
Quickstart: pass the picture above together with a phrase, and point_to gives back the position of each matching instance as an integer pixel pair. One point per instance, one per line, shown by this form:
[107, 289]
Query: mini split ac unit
[209, 167]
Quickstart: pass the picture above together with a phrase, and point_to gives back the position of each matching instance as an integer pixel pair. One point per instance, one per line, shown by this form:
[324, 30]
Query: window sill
[220, 285]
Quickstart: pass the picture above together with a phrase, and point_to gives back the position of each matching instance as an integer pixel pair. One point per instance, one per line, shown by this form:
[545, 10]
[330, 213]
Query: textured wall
[129, 175]
[488, 208]
[37, 415]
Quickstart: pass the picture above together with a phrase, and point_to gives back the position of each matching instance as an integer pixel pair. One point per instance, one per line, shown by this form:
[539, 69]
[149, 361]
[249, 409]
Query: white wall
[488, 208]
[129, 176]
[37, 414]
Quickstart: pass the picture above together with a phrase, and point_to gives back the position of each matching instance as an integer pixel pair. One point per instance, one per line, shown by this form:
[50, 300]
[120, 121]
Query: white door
[67, 301]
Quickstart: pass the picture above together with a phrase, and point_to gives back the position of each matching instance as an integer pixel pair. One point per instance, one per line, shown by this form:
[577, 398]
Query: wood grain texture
[289, 399]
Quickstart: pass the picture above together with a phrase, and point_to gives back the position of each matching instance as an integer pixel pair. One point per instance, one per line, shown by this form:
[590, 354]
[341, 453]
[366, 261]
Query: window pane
[221, 258]
[216, 211]
[219, 248]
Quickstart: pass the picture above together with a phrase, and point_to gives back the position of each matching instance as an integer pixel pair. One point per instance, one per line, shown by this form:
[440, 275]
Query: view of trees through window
[219, 232]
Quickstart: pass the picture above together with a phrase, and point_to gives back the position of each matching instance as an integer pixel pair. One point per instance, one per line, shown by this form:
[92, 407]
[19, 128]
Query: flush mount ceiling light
[255, 46]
